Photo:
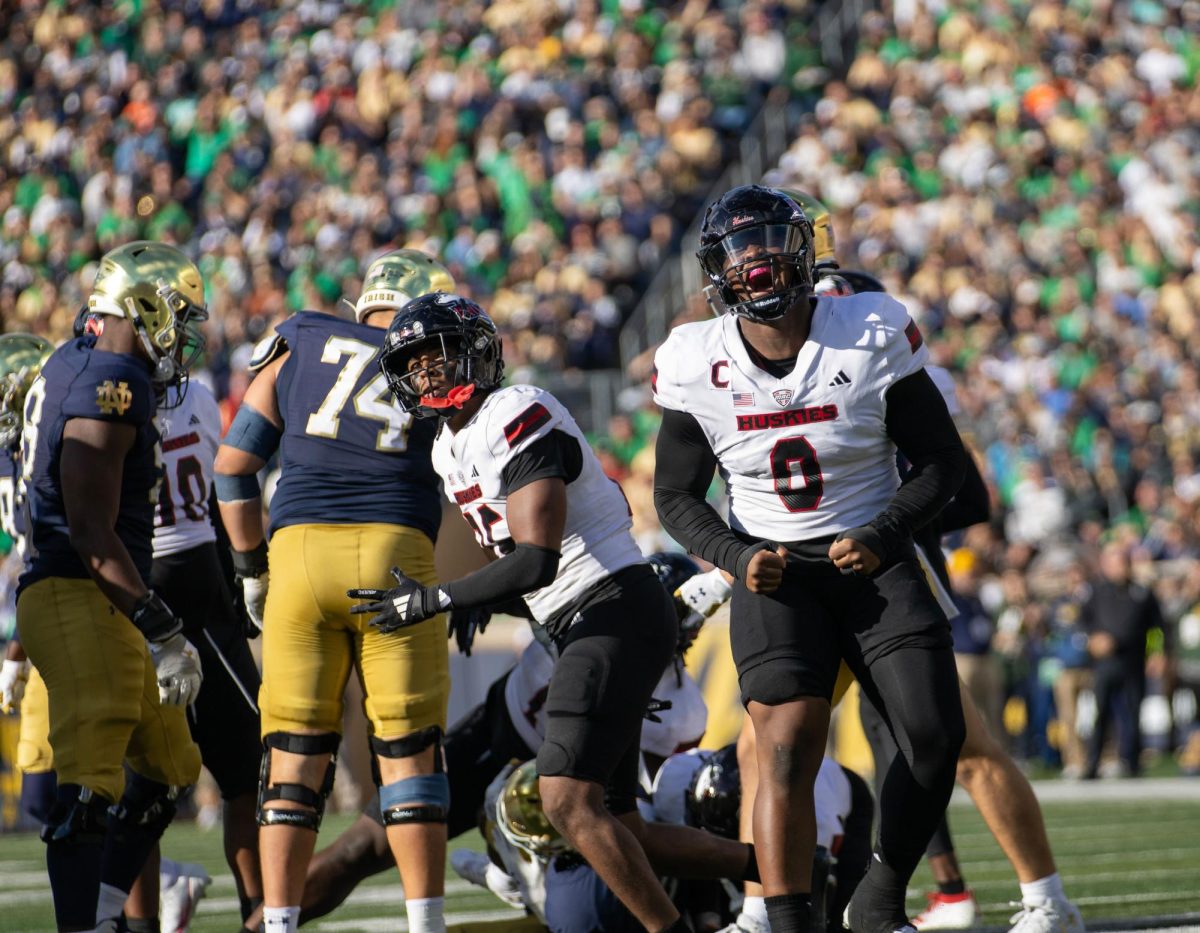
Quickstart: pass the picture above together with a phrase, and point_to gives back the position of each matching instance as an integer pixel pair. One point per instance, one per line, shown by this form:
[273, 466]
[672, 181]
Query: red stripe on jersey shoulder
[184, 440]
[913, 333]
[526, 423]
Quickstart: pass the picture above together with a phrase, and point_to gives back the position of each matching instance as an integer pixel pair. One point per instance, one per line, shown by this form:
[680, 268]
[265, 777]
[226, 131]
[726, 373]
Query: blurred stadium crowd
[1024, 176]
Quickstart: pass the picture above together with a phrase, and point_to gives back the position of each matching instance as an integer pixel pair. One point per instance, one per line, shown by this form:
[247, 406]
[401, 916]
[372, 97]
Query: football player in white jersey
[803, 409]
[522, 473]
[188, 574]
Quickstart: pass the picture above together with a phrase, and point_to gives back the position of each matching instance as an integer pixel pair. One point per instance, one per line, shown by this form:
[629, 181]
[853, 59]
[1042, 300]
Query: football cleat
[181, 885]
[948, 912]
[744, 924]
[1046, 915]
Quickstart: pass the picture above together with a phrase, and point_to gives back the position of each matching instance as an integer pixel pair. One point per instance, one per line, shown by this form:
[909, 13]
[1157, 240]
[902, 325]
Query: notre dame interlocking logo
[113, 399]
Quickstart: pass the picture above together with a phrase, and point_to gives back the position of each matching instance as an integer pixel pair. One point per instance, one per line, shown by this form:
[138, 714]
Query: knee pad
[325, 743]
[423, 798]
[146, 806]
[79, 815]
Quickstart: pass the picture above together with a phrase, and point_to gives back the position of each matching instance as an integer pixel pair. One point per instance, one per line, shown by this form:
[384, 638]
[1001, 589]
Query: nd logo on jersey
[113, 399]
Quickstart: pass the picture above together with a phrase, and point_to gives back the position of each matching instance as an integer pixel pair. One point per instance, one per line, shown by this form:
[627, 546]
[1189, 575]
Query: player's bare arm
[92, 497]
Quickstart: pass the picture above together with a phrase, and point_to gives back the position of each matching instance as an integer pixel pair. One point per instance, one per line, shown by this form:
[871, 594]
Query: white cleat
[478, 869]
[181, 885]
[948, 912]
[1046, 915]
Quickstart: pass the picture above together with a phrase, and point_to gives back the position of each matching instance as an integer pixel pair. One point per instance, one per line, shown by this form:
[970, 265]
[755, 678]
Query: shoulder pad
[267, 350]
[519, 414]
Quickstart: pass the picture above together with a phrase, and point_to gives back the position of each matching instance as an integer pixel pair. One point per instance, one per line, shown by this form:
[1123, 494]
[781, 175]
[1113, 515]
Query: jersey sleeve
[113, 389]
[668, 377]
[904, 348]
[267, 350]
[522, 416]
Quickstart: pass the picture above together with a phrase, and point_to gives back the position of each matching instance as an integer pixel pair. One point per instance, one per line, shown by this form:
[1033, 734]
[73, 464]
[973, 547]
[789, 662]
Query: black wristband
[154, 618]
[252, 563]
[743, 561]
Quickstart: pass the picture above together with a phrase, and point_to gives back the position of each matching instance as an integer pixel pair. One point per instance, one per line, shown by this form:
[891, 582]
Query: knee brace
[78, 816]
[135, 824]
[422, 798]
[324, 744]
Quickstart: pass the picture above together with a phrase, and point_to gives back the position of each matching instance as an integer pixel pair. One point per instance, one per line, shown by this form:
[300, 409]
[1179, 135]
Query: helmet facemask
[760, 271]
[460, 368]
[175, 346]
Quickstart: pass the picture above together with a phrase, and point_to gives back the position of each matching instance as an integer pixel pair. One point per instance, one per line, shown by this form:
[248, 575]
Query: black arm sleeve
[526, 568]
[920, 425]
[555, 456]
[971, 504]
[683, 468]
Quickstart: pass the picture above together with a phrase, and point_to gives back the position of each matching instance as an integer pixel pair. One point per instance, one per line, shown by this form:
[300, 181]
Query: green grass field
[1121, 860]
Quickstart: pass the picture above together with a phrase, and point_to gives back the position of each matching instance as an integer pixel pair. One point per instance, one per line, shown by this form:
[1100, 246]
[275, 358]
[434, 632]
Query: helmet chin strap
[455, 398]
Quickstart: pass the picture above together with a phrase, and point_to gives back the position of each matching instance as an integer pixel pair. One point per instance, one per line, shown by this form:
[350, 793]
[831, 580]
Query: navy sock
[74, 869]
[952, 887]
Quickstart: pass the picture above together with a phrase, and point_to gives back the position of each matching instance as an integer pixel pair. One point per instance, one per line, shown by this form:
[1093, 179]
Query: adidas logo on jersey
[841, 379]
[193, 420]
[474, 472]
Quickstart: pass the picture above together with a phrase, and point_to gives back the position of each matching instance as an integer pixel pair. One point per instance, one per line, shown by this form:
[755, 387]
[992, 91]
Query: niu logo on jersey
[783, 397]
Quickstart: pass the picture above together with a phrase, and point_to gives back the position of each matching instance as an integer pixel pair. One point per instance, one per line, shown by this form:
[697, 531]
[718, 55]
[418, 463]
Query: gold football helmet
[520, 816]
[158, 290]
[396, 278]
[21, 359]
[818, 215]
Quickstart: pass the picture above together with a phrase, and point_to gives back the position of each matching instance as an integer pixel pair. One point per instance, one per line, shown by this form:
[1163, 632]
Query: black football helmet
[714, 796]
[756, 249]
[470, 351]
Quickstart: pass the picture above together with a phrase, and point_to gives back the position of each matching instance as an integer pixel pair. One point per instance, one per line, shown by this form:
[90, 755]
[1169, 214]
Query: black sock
[952, 887]
[142, 924]
[789, 913]
[679, 926]
[249, 905]
[750, 872]
[74, 869]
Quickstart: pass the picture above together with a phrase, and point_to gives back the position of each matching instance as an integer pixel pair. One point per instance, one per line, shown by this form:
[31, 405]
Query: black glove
[463, 625]
[406, 604]
[154, 618]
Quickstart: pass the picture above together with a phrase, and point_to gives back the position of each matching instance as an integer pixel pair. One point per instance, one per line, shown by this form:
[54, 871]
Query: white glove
[254, 592]
[705, 593]
[178, 667]
[13, 677]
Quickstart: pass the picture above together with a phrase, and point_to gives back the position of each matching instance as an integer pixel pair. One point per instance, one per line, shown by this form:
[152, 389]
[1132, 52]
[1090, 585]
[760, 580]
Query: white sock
[281, 919]
[1050, 887]
[110, 903]
[425, 914]
[756, 909]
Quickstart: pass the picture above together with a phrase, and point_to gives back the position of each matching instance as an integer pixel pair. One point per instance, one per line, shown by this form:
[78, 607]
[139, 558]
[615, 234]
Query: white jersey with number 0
[191, 434]
[596, 540]
[805, 456]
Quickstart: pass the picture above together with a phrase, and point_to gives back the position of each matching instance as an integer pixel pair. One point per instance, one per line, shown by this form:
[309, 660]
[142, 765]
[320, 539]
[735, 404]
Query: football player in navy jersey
[21, 686]
[357, 495]
[803, 409]
[117, 668]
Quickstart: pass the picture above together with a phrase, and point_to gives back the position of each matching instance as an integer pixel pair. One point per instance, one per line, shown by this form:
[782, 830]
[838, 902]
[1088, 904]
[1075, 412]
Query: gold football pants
[102, 691]
[311, 641]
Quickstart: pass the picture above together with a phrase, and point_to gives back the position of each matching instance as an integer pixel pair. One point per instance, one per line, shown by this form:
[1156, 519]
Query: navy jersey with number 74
[349, 455]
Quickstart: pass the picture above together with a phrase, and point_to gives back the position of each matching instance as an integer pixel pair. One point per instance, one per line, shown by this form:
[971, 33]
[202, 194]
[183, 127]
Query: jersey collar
[736, 347]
